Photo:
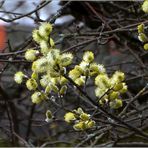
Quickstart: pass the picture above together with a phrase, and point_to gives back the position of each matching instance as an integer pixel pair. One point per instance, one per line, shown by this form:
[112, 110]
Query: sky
[25, 6]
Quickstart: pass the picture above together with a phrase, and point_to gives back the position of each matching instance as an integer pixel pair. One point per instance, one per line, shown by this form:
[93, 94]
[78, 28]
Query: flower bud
[91, 124]
[96, 69]
[88, 56]
[83, 65]
[146, 46]
[84, 116]
[37, 97]
[117, 77]
[124, 89]
[78, 68]
[31, 54]
[80, 81]
[145, 6]
[36, 36]
[118, 86]
[31, 84]
[40, 65]
[142, 37]
[102, 81]
[45, 29]
[79, 126]
[34, 75]
[65, 59]
[74, 74]
[46, 47]
[113, 95]
[79, 110]
[69, 117]
[18, 77]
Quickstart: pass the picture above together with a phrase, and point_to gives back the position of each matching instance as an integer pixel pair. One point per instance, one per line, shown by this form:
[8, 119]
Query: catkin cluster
[142, 36]
[49, 68]
[108, 90]
[79, 119]
[86, 69]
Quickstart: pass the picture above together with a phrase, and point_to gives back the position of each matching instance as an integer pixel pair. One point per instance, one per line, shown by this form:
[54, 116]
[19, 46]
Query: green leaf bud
[37, 97]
